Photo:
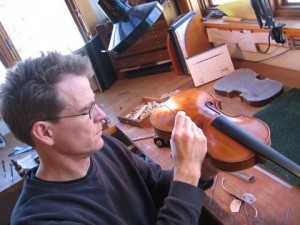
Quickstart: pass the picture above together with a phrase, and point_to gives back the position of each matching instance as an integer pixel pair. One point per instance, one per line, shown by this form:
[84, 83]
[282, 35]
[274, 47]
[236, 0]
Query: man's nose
[99, 114]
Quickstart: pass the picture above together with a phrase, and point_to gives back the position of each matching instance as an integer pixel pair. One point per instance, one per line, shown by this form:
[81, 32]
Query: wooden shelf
[292, 28]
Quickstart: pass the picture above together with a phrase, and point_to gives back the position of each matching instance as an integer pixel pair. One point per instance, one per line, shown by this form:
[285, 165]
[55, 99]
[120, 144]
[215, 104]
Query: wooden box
[140, 113]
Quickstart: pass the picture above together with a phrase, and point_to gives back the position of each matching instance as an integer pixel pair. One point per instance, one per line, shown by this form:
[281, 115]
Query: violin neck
[258, 147]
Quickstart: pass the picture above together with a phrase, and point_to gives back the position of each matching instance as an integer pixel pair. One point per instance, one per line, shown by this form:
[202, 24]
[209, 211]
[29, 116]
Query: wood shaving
[166, 96]
[142, 110]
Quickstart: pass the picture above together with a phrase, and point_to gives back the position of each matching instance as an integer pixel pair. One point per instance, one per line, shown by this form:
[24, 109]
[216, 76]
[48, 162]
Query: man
[84, 175]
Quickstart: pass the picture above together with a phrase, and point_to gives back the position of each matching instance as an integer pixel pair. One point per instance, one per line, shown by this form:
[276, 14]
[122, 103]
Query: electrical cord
[269, 45]
[263, 60]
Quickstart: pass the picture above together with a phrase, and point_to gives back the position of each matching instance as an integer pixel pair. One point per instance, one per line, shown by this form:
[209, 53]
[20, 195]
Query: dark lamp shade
[130, 23]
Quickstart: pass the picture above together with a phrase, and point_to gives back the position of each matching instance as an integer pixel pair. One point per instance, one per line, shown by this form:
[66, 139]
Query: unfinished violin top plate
[246, 84]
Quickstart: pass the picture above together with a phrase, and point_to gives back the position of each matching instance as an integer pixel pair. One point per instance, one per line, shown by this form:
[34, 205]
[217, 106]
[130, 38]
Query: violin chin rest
[205, 184]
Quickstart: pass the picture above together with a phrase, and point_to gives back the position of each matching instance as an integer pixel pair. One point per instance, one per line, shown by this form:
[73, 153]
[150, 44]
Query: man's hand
[189, 147]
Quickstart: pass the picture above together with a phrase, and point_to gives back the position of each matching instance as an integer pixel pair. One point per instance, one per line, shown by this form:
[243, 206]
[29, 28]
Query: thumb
[173, 148]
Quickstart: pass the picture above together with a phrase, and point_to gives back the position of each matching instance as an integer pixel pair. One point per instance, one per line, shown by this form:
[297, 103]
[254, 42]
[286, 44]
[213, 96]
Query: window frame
[8, 53]
[281, 8]
[206, 6]
[79, 20]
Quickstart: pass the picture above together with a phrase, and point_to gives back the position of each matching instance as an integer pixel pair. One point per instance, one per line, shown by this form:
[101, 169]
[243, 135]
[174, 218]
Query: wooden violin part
[234, 142]
[202, 107]
[251, 90]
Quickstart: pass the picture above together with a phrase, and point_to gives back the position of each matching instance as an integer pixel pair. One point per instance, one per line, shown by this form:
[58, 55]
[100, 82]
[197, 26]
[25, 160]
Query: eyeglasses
[90, 113]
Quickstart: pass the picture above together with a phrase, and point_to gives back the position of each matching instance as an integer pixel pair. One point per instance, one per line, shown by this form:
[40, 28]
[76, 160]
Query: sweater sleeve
[182, 205]
[179, 203]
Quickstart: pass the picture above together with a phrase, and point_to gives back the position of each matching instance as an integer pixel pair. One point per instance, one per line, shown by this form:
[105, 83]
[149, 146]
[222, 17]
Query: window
[39, 25]
[280, 8]
[218, 2]
[2, 72]
[286, 8]
[293, 1]
[32, 26]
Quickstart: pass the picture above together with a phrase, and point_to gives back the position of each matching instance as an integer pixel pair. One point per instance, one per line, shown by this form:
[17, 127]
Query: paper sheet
[238, 8]
[210, 65]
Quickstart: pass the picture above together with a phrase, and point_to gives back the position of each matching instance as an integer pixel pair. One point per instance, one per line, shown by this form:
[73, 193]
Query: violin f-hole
[209, 105]
[200, 126]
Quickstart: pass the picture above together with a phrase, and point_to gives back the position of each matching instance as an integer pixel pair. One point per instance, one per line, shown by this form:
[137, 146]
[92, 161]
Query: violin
[233, 142]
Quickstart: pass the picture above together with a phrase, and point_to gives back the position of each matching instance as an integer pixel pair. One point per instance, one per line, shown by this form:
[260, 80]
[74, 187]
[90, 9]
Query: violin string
[247, 215]
[172, 111]
[213, 190]
[287, 215]
[239, 198]
[237, 217]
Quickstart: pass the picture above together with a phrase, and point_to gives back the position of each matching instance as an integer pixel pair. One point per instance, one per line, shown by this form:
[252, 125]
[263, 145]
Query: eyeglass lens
[91, 110]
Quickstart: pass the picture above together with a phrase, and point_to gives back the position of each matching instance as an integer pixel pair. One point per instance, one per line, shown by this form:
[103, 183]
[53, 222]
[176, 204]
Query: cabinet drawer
[142, 59]
[153, 39]
[145, 46]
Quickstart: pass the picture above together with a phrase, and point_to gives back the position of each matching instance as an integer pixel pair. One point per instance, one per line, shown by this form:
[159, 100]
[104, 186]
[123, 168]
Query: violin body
[203, 108]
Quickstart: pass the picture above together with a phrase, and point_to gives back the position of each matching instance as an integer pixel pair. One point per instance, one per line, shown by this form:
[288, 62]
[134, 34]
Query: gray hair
[29, 94]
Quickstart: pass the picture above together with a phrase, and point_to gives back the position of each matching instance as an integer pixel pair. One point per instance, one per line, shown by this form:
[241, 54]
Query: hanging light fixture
[130, 22]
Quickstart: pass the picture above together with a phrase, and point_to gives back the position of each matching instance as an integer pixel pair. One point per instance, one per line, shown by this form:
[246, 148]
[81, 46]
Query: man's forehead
[75, 90]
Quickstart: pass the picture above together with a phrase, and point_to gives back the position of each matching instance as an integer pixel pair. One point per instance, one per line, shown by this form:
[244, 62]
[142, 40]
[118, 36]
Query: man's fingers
[179, 120]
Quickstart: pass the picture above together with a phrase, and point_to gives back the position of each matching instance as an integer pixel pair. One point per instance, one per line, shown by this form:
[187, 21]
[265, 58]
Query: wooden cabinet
[149, 50]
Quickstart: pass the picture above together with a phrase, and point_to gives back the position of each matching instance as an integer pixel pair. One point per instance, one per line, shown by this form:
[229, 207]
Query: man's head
[31, 92]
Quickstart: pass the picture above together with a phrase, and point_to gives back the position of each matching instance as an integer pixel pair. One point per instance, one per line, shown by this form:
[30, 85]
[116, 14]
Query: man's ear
[41, 130]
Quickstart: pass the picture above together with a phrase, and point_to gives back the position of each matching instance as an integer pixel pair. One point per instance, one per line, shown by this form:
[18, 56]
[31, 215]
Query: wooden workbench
[274, 196]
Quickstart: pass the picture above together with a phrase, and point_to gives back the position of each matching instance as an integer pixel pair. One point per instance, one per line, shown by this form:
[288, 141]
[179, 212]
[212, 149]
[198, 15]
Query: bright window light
[40, 25]
[218, 2]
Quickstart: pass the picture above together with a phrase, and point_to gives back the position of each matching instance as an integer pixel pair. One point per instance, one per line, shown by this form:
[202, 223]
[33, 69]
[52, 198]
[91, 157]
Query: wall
[290, 60]
[278, 55]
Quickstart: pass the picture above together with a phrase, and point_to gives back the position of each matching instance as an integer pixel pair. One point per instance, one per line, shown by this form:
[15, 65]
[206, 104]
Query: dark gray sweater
[119, 188]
